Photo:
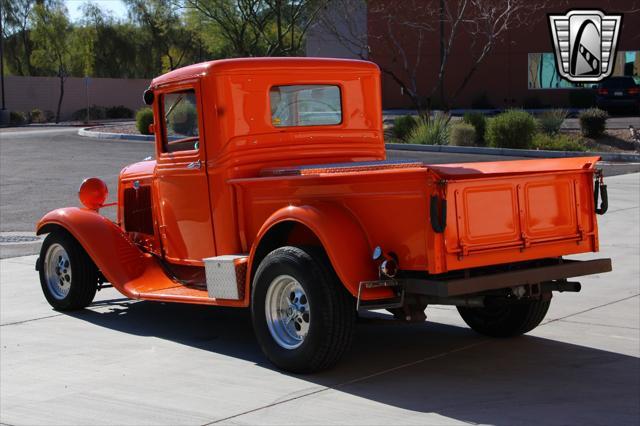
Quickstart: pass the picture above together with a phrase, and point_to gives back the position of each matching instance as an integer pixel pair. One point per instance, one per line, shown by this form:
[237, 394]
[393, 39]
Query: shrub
[479, 122]
[550, 121]
[36, 116]
[592, 122]
[511, 129]
[49, 115]
[119, 111]
[462, 134]
[557, 142]
[183, 119]
[95, 113]
[582, 98]
[481, 101]
[431, 130]
[403, 125]
[144, 117]
[17, 118]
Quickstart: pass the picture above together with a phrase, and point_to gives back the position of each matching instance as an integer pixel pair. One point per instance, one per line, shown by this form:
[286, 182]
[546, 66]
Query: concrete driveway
[125, 362]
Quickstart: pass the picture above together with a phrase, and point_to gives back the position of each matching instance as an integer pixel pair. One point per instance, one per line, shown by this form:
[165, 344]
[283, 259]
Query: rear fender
[123, 264]
[342, 238]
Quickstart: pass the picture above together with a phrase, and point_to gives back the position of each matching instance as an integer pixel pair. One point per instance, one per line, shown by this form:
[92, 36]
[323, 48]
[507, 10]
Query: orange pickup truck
[270, 189]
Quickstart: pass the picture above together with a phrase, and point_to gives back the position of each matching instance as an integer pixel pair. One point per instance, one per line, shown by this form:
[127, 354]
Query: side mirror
[147, 97]
[152, 128]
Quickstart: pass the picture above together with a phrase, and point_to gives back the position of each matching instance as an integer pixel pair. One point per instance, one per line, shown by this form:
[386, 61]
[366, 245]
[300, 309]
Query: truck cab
[270, 190]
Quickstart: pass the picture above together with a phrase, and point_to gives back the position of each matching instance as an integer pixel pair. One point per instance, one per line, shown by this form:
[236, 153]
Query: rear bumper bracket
[557, 273]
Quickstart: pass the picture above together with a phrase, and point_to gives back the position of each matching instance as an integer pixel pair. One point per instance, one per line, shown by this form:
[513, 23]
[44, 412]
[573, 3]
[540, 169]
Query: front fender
[123, 264]
[342, 238]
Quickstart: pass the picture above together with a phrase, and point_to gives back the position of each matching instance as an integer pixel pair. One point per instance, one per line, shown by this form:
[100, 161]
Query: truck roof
[255, 65]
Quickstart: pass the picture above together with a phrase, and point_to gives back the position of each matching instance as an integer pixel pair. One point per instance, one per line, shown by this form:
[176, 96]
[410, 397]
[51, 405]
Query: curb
[87, 132]
[606, 156]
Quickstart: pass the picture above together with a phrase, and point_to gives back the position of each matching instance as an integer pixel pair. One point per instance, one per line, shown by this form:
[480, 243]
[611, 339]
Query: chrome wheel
[287, 312]
[57, 269]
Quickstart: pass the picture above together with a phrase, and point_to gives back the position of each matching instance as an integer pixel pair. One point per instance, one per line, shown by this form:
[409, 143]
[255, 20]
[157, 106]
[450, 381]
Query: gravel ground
[126, 128]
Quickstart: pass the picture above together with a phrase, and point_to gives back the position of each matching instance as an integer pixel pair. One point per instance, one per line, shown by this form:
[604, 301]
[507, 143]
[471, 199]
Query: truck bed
[491, 213]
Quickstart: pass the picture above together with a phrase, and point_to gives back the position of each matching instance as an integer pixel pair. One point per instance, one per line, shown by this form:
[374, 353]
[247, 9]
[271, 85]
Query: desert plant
[431, 130]
[511, 129]
[403, 125]
[462, 134]
[144, 117]
[119, 111]
[479, 122]
[95, 113]
[592, 122]
[550, 121]
[17, 118]
[36, 116]
[557, 142]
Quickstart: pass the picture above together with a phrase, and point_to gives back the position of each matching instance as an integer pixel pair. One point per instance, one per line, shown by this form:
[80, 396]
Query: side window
[305, 105]
[180, 112]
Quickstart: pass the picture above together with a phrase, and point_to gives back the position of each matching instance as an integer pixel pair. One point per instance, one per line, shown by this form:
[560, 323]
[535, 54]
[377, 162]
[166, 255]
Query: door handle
[194, 165]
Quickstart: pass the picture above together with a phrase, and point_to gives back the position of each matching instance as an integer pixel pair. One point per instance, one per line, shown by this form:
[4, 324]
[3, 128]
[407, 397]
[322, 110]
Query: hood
[140, 170]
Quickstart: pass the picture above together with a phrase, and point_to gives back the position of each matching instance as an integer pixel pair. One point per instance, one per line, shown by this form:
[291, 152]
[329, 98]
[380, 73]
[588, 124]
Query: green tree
[52, 36]
[258, 27]
[15, 30]
[110, 47]
[167, 34]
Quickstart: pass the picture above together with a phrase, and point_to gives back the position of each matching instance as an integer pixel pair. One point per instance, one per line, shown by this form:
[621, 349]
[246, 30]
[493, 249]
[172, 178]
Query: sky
[116, 7]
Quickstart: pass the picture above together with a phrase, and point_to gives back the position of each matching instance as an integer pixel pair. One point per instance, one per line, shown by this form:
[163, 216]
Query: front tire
[506, 321]
[302, 315]
[68, 276]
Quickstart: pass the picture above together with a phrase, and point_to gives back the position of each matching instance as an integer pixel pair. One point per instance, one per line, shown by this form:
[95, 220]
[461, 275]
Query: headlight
[93, 193]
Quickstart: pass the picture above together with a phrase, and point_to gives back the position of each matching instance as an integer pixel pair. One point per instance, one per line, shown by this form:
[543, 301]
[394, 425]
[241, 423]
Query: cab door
[185, 224]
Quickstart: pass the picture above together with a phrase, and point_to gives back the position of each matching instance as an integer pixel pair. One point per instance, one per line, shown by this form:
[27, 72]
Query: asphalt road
[41, 169]
[127, 362]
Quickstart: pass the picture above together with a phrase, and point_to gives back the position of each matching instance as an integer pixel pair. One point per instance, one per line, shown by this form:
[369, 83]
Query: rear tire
[302, 315]
[68, 276]
[506, 321]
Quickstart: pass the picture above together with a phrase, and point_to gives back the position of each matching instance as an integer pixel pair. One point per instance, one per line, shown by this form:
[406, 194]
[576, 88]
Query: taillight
[602, 91]
[634, 90]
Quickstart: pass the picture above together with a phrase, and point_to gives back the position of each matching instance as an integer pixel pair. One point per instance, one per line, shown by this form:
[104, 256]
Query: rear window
[305, 105]
[618, 83]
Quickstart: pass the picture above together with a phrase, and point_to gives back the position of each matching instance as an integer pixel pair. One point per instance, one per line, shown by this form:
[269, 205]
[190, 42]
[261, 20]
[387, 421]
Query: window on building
[305, 105]
[180, 121]
[543, 74]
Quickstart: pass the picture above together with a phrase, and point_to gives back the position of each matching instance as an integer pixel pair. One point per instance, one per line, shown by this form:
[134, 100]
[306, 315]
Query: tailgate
[511, 211]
